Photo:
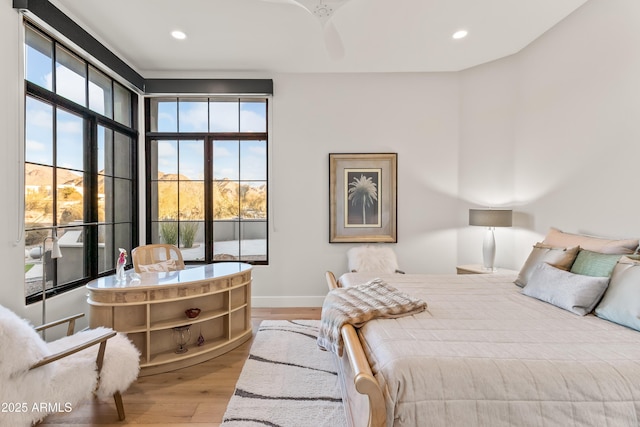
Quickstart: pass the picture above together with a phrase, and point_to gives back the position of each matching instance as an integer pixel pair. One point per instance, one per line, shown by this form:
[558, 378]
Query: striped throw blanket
[358, 304]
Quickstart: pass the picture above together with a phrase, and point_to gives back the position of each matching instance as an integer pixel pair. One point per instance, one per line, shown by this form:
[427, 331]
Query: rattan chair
[157, 254]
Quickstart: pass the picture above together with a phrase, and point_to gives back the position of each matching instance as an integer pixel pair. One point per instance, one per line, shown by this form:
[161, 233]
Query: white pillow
[576, 293]
[168, 265]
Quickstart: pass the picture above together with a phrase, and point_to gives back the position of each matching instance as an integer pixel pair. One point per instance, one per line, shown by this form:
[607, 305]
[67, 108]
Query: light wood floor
[197, 395]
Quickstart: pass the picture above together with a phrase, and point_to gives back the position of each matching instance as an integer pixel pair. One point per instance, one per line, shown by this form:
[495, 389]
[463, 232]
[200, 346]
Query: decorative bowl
[192, 313]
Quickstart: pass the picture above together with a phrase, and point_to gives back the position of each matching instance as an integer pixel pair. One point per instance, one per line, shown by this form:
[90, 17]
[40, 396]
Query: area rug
[287, 381]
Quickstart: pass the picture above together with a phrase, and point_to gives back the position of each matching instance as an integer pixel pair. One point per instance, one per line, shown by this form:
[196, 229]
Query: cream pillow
[558, 257]
[576, 293]
[603, 245]
[168, 265]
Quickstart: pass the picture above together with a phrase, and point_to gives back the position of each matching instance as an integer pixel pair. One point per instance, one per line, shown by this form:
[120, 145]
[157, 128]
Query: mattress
[484, 354]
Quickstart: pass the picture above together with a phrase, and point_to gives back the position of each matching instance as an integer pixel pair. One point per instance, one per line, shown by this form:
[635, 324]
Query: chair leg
[117, 397]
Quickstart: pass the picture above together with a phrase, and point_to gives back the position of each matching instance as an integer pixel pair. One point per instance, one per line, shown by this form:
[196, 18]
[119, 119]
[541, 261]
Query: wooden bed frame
[361, 393]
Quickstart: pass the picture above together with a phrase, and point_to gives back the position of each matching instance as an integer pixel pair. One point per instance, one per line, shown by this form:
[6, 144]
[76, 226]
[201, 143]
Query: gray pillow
[558, 257]
[574, 292]
[621, 302]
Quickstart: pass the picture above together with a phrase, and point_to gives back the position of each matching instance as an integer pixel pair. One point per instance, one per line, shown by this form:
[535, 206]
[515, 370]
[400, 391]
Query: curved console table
[150, 309]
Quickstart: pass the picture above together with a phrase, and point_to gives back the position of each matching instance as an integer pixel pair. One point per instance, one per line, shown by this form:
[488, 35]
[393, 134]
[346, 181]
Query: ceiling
[231, 36]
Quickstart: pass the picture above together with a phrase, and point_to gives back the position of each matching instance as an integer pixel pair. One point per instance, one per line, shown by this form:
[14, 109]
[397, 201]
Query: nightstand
[479, 269]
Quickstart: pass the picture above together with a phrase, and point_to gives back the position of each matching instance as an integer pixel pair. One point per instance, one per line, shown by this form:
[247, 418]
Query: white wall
[550, 131]
[415, 115]
[564, 116]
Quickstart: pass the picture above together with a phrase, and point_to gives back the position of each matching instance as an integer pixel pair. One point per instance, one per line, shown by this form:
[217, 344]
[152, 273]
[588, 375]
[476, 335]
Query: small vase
[120, 276]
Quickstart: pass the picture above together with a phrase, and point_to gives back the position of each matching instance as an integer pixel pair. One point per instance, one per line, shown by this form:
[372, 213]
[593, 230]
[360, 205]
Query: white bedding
[483, 354]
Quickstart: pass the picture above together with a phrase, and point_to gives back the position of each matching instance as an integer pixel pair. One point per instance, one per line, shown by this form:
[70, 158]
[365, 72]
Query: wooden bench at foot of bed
[361, 393]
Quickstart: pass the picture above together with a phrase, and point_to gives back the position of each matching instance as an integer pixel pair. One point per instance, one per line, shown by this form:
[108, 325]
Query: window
[207, 159]
[80, 181]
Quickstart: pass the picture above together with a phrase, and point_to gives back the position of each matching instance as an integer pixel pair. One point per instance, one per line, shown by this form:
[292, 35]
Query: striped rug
[287, 381]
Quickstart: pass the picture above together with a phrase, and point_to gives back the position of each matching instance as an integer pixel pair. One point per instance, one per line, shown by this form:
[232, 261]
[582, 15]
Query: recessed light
[460, 34]
[178, 35]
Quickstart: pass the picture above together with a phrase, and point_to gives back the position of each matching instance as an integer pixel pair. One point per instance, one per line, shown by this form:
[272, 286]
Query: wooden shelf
[148, 306]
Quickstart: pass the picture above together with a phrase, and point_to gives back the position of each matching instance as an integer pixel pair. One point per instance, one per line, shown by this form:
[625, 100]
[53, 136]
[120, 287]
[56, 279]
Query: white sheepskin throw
[379, 259]
[61, 385]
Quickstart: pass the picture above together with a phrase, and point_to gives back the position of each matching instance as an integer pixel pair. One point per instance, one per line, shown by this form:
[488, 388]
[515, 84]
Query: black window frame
[208, 139]
[91, 121]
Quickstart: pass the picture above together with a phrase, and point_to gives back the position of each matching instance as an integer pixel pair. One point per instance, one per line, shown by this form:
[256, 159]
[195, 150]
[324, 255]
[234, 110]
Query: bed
[485, 354]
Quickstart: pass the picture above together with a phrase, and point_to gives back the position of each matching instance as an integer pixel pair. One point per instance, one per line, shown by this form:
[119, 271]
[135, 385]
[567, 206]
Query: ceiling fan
[323, 10]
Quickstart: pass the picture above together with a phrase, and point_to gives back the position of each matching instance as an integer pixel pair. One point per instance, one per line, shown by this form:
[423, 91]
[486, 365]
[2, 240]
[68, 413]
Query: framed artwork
[362, 197]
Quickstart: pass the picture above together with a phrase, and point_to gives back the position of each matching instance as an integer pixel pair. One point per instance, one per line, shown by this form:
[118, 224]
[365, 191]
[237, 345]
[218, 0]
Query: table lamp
[490, 218]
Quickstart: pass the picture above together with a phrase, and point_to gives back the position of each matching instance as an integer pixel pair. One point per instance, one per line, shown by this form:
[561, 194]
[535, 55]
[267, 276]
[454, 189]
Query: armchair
[39, 378]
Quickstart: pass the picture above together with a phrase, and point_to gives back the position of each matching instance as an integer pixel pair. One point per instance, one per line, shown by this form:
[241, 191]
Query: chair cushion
[20, 345]
[121, 359]
[372, 258]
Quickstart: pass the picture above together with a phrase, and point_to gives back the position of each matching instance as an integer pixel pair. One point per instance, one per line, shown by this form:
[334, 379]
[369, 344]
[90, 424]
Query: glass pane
[164, 115]
[106, 259]
[100, 93]
[192, 240]
[105, 199]
[223, 116]
[253, 243]
[38, 132]
[71, 265]
[167, 155]
[225, 200]
[38, 195]
[69, 141]
[122, 239]
[122, 200]
[226, 155]
[191, 200]
[70, 206]
[121, 104]
[193, 115]
[122, 153]
[253, 160]
[253, 200]
[166, 199]
[105, 151]
[226, 240]
[33, 261]
[71, 76]
[253, 116]
[38, 59]
[168, 232]
[191, 159]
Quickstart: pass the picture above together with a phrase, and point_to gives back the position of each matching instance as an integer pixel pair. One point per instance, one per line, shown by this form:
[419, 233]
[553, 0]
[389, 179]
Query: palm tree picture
[362, 197]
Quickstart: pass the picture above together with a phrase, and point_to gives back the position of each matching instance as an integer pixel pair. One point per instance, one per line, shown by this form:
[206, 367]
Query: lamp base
[489, 250]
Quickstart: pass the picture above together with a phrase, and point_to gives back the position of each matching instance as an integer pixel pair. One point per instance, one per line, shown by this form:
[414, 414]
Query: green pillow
[595, 264]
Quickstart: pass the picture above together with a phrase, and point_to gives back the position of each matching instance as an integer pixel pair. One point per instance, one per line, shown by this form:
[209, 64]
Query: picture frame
[363, 197]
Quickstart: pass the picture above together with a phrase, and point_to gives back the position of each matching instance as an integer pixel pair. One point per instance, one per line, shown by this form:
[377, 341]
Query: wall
[554, 130]
[550, 131]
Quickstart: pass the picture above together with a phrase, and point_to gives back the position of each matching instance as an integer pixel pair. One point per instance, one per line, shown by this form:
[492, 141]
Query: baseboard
[299, 301]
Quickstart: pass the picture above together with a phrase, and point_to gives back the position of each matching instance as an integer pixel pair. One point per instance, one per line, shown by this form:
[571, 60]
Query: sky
[184, 157]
